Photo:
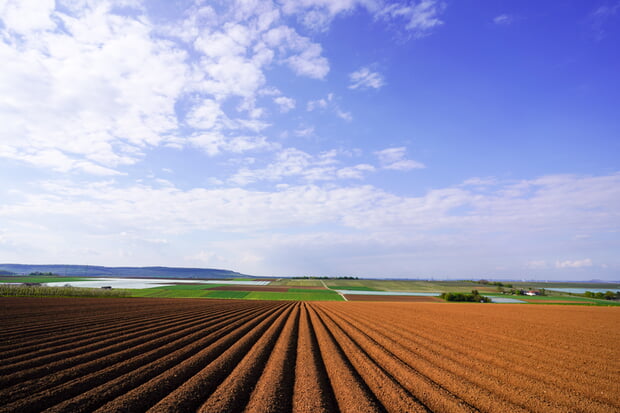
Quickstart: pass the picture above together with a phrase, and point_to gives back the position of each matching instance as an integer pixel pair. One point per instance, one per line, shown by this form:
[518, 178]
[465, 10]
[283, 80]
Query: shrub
[474, 297]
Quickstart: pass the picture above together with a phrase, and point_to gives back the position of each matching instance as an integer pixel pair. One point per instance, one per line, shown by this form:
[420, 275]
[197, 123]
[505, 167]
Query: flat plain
[176, 355]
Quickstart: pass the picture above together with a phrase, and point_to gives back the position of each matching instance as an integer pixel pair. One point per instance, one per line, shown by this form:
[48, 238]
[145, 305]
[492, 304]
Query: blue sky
[418, 139]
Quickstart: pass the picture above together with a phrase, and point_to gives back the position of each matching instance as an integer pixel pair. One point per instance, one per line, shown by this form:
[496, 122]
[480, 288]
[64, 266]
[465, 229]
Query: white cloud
[587, 262]
[305, 132]
[85, 88]
[366, 224]
[316, 104]
[502, 19]
[26, 16]
[364, 79]
[480, 182]
[310, 63]
[306, 59]
[318, 14]
[292, 163]
[97, 92]
[355, 172]
[286, 104]
[207, 115]
[329, 102]
[420, 18]
[344, 115]
[537, 264]
[394, 158]
[214, 143]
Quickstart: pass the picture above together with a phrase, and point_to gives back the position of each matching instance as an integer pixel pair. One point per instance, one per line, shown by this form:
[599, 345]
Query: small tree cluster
[607, 295]
[474, 297]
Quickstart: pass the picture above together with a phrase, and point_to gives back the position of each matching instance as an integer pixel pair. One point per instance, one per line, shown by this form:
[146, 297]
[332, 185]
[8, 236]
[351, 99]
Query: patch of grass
[316, 295]
[227, 294]
[352, 288]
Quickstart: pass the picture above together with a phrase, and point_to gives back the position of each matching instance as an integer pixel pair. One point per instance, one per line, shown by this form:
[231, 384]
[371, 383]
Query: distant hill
[121, 272]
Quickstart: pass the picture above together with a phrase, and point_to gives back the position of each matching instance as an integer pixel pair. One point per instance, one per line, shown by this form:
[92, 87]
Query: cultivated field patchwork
[177, 355]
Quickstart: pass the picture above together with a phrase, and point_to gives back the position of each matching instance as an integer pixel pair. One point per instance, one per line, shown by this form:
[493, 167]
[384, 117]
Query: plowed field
[166, 355]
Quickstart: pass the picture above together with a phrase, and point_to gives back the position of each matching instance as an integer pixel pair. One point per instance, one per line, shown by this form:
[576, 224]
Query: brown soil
[129, 355]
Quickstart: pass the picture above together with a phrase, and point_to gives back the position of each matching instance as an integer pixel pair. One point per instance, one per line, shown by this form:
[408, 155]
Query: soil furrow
[274, 391]
[84, 338]
[115, 364]
[191, 394]
[393, 396]
[440, 361]
[78, 348]
[104, 386]
[234, 392]
[78, 355]
[350, 391]
[313, 391]
[148, 394]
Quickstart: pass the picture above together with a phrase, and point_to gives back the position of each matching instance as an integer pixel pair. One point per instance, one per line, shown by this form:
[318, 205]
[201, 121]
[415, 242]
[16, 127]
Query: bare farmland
[166, 355]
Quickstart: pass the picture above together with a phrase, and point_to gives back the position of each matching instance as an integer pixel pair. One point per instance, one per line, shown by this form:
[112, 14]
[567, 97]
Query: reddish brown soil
[136, 355]
[393, 298]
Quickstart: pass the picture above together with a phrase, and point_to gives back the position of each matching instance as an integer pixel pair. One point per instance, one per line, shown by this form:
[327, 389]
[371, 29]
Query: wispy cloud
[329, 103]
[586, 262]
[601, 17]
[503, 19]
[364, 220]
[286, 104]
[420, 17]
[395, 158]
[364, 78]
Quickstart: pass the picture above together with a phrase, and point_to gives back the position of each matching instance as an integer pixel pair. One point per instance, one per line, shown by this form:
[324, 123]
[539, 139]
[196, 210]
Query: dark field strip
[197, 355]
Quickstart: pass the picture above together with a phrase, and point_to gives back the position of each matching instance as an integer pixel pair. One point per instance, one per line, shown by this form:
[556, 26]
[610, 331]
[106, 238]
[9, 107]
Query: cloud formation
[587, 262]
[364, 220]
[394, 158]
[365, 79]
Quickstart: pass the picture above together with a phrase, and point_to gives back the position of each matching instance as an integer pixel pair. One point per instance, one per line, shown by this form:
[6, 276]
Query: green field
[352, 288]
[406, 285]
